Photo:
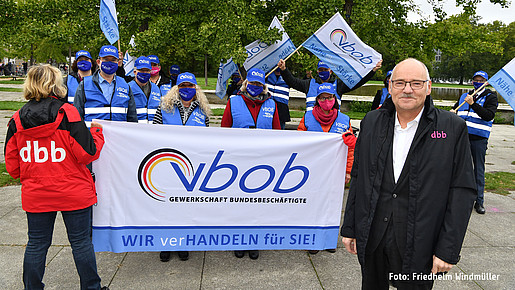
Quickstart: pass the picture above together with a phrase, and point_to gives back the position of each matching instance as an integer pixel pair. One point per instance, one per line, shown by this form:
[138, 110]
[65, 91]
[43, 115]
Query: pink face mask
[326, 105]
[155, 71]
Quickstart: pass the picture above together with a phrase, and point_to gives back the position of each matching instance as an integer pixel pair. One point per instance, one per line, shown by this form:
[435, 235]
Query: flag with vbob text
[188, 188]
[504, 83]
[109, 20]
[265, 57]
[341, 49]
[225, 71]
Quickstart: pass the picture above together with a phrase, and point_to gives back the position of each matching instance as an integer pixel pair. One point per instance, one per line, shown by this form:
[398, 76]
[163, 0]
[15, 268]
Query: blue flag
[109, 21]
[340, 48]
[504, 83]
[224, 74]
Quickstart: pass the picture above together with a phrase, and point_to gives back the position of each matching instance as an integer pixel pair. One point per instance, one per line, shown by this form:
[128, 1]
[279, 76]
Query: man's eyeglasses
[415, 85]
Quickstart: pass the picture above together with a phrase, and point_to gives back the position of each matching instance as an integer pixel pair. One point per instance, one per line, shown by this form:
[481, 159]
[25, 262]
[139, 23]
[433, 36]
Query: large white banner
[340, 48]
[266, 57]
[179, 188]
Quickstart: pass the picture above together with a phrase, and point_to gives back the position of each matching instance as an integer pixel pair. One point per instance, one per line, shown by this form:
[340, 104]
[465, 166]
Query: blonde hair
[43, 81]
[246, 82]
[168, 100]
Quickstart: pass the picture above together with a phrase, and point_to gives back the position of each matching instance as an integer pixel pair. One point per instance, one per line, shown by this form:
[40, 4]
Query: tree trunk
[205, 69]
[348, 11]
[70, 59]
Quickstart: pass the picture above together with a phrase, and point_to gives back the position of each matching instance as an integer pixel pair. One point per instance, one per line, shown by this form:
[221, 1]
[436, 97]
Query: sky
[488, 11]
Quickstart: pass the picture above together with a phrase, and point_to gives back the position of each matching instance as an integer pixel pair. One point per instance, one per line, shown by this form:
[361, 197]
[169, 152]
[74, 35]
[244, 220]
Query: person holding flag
[324, 75]
[104, 95]
[146, 94]
[156, 75]
[82, 66]
[235, 84]
[382, 94]
[280, 92]
[478, 111]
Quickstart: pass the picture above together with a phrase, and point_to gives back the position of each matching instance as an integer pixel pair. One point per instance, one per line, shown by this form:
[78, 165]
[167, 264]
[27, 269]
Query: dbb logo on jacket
[41, 153]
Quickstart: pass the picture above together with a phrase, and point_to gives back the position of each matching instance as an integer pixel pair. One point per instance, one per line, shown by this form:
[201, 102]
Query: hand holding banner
[340, 48]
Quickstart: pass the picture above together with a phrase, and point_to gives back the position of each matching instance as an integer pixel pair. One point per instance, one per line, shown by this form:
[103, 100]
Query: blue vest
[385, 94]
[165, 88]
[340, 125]
[242, 118]
[312, 94]
[146, 108]
[72, 83]
[278, 88]
[196, 118]
[96, 105]
[476, 125]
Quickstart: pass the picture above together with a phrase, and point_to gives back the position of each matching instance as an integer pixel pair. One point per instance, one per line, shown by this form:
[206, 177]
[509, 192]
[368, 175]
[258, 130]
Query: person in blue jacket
[185, 104]
[478, 112]
[175, 70]
[280, 92]
[82, 66]
[382, 94]
[104, 95]
[146, 94]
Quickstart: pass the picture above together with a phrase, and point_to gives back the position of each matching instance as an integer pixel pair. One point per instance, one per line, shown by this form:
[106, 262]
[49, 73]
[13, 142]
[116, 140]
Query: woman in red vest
[48, 146]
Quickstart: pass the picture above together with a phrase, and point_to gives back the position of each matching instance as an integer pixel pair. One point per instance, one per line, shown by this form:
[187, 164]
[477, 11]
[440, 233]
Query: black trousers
[383, 263]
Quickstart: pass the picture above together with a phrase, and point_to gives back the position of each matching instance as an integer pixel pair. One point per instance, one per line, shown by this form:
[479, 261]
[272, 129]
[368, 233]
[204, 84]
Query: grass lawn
[500, 182]
[10, 90]
[5, 178]
[11, 105]
[9, 81]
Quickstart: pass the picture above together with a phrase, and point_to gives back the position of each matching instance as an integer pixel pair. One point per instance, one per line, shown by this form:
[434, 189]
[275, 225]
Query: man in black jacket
[412, 187]
[478, 112]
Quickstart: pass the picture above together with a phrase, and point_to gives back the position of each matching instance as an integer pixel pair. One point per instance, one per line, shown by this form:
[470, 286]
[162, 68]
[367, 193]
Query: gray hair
[416, 60]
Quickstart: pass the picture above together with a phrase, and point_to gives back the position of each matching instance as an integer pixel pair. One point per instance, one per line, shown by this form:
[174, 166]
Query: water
[449, 94]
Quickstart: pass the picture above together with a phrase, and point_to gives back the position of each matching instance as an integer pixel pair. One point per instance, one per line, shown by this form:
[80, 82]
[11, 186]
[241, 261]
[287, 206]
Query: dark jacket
[442, 188]
[302, 85]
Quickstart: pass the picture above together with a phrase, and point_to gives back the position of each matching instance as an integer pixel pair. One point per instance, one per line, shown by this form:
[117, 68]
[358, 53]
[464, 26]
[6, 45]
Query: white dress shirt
[402, 139]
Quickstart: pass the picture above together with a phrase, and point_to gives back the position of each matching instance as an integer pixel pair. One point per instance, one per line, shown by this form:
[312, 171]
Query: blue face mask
[477, 85]
[109, 67]
[254, 90]
[236, 80]
[187, 93]
[324, 75]
[143, 77]
[174, 77]
[84, 65]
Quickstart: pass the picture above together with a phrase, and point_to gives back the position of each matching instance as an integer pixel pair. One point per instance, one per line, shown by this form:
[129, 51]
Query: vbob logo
[339, 39]
[260, 176]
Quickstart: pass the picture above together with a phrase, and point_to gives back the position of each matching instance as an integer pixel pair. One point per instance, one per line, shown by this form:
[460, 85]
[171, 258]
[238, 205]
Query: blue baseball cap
[322, 64]
[83, 53]
[186, 77]
[142, 62]
[481, 74]
[154, 58]
[326, 88]
[174, 69]
[108, 50]
[256, 75]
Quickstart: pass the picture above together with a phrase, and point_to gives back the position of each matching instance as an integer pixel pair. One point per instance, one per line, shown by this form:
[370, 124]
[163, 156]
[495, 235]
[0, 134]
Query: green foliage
[359, 106]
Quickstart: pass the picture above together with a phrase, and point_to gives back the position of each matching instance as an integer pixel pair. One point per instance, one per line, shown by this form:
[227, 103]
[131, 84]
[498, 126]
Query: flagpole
[284, 60]
[119, 45]
[475, 92]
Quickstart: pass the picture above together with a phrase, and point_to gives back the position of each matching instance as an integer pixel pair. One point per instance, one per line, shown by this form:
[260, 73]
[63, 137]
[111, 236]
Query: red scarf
[322, 118]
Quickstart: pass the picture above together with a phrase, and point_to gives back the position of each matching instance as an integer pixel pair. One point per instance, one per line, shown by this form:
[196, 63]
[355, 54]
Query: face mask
[327, 105]
[174, 77]
[477, 85]
[324, 75]
[236, 80]
[154, 71]
[254, 90]
[187, 93]
[143, 77]
[84, 65]
[109, 67]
